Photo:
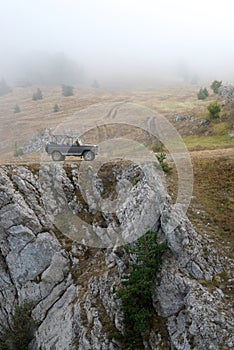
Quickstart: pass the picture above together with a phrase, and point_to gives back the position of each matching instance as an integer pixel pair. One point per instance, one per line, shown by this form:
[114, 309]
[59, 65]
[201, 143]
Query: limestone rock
[227, 92]
[72, 286]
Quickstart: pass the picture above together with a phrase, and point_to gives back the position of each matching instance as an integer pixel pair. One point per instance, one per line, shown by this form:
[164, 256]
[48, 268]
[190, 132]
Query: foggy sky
[122, 39]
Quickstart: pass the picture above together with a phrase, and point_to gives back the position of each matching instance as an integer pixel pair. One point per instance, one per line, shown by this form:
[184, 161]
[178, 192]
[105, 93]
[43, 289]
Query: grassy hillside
[168, 101]
[212, 206]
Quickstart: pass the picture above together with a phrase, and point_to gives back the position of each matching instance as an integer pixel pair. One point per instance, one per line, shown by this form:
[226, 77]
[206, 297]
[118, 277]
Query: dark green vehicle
[62, 146]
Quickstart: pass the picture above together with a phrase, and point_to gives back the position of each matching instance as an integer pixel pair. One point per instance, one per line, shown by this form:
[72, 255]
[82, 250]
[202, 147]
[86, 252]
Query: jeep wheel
[57, 156]
[88, 155]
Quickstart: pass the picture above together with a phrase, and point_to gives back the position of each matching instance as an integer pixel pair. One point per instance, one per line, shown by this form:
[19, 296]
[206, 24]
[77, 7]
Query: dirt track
[214, 153]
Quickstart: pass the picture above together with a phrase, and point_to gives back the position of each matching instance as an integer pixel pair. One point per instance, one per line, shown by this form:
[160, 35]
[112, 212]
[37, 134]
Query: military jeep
[62, 146]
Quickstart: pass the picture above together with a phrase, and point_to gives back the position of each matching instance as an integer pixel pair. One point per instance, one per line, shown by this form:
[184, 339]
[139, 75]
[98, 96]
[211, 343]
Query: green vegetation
[17, 151]
[37, 95]
[195, 142]
[215, 86]
[135, 181]
[67, 90]
[214, 110]
[164, 165]
[136, 293]
[19, 334]
[56, 108]
[202, 94]
[220, 128]
[17, 109]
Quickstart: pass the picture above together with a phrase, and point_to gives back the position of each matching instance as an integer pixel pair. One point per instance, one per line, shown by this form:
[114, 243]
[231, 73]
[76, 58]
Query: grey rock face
[72, 286]
[204, 122]
[179, 118]
[227, 92]
[37, 142]
[198, 317]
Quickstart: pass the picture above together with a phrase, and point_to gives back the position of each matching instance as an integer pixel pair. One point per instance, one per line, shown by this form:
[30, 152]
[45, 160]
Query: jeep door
[75, 150]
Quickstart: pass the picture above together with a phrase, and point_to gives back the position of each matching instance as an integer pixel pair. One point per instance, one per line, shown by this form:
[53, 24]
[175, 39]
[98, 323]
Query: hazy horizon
[117, 41]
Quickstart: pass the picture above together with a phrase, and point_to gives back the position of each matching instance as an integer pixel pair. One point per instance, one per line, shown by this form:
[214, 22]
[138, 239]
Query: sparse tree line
[67, 90]
[37, 95]
[214, 108]
[203, 92]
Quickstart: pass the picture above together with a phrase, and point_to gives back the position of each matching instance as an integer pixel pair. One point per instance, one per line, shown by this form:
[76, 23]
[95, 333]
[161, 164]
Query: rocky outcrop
[178, 118]
[227, 92]
[37, 142]
[199, 314]
[72, 286]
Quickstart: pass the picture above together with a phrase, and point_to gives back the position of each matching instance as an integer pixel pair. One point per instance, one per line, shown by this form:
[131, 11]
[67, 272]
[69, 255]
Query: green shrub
[17, 151]
[56, 108]
[135, 181]
[37, 95]
[206, 92]
[164, 165]
[214, 110]
[17, 109]
[67, 90]
[21, 331]
[215, 86]
[202, 94]
[136, 293]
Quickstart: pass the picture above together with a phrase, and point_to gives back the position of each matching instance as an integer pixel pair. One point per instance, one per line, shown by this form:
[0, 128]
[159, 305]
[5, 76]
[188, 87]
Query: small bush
[135, 181]
[67, 90]
[21, 331]
[206, 92]
[56, 108]
[37, 95]
[164, 165]
[18, 152]
[202, 94]
[17, 109]
[214, 110]
[215, 86]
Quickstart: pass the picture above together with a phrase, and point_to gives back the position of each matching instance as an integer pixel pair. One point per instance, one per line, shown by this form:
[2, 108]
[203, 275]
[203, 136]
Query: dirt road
[213, 153]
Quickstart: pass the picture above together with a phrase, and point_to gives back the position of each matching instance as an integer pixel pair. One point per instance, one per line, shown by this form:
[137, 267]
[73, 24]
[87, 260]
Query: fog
[116, 41]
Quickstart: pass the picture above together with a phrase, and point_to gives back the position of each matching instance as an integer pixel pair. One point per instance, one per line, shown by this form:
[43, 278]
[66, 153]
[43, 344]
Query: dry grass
[213, 202]
[210, 175]
[37, 115]
[212, 206]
